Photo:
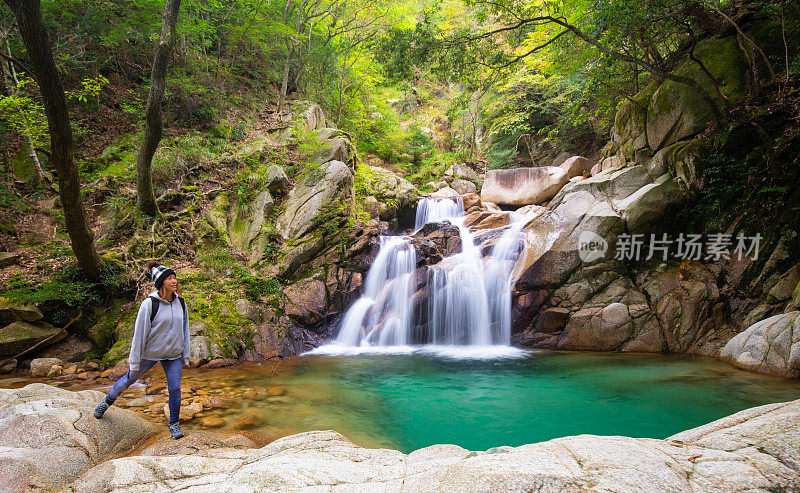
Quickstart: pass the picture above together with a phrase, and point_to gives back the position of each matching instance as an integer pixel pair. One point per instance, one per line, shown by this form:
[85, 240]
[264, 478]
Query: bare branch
[16, 62]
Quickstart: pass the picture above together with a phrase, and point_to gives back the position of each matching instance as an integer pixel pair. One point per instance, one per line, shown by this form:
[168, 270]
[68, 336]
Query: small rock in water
[40, 367]
[156, 388]
[219, 401]
[187, 413]
[220, 362]
[212, 422]
[55, 371]
[245, 422]
[275, 391]
[139, 402]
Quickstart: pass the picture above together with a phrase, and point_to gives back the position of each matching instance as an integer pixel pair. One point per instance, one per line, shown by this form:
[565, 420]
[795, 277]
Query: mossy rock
[119, 351]
[13, 312]
[103, 328]
[677, 111]
[19, 336]
[630, 121]
[225, 326]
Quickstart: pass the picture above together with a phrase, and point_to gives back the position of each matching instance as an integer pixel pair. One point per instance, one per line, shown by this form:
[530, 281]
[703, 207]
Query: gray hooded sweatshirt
[166, 338]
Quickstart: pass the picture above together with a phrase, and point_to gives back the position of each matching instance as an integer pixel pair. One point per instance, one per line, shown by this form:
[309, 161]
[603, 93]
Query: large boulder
[523, 186]
[754, 450]
[387, 186]
[577, 166]
[319, 194]
[677, 111]
[630, 122]
[445, 192]
[461, 171]
[463, 186]
[276, 180]
[645, 206]
[19, 336]
[769, 346]
[334, 145]
[49, 437]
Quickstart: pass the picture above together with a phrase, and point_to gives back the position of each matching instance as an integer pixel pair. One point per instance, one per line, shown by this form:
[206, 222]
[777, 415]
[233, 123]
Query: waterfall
[431, 210]
[385, 307]
[463, 301]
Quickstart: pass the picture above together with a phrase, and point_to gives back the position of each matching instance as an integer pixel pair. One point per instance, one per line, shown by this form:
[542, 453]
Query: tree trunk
[145, 198]
[285, 79]
[31, 28]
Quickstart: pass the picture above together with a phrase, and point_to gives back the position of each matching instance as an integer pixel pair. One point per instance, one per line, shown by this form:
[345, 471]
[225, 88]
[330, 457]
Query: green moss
[102, 331]
[119, 351]
[211, 299]
[726, 62]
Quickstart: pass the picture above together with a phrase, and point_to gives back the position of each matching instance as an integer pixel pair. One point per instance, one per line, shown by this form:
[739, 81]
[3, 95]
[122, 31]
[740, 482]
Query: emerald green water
[412, 401]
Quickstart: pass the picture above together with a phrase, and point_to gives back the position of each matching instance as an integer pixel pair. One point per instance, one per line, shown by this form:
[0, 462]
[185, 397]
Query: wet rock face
[677, 309]
[305, 301]
[434, 241]
[687, 302]
[600, 308]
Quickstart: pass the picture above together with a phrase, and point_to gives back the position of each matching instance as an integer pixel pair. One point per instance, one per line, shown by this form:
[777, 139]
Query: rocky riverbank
[50, 441]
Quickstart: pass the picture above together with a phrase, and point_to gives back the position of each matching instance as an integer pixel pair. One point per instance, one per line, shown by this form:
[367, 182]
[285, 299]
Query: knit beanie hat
[159, 273]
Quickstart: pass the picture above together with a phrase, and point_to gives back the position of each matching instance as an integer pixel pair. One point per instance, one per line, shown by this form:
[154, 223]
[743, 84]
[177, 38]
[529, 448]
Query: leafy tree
[43, 67]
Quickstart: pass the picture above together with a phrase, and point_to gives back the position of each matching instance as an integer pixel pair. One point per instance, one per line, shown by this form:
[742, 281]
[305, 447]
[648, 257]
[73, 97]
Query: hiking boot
[101, 408]
[175, 430]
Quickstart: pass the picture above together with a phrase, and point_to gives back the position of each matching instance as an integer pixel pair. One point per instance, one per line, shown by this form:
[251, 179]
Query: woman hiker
[161, 334]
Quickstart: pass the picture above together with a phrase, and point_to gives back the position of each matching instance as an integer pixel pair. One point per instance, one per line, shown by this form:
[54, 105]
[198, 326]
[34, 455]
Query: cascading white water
[466, 300]
[431, 210]
[382, 314]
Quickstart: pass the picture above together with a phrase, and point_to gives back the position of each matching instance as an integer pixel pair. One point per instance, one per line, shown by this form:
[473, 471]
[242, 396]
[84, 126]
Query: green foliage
[256, 288]
[24, 114]
[90, 90]
[218, 261]
[60, 297]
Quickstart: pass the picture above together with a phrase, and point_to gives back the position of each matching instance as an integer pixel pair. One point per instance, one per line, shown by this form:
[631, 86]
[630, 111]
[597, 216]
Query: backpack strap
[154, 305]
